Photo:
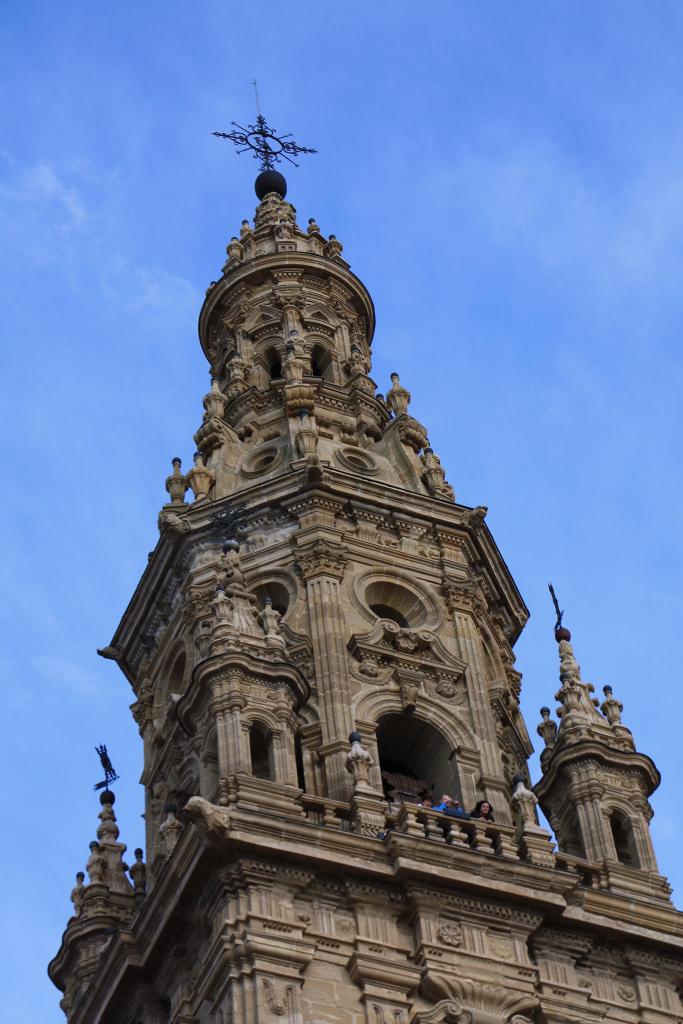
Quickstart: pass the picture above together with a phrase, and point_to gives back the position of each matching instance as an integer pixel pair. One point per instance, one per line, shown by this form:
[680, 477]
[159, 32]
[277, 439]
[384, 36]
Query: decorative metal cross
[107, 767]
[267, 146]
[557, 607]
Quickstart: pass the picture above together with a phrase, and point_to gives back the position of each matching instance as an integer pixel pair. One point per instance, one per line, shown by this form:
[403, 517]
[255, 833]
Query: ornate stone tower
[320, 648]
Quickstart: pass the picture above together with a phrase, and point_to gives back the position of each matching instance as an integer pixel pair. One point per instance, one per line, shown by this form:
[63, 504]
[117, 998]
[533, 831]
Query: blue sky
[506, 180]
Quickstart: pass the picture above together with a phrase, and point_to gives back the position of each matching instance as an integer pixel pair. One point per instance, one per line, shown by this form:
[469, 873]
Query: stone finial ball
[270, 181]
[562, 633]
[355, 737]
[94, 845]
[518, 777]
[107, 797]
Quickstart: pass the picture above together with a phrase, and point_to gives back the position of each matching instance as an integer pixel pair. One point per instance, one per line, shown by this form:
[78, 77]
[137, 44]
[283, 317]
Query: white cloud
[72, 220]
[536, 200]
[61, 672]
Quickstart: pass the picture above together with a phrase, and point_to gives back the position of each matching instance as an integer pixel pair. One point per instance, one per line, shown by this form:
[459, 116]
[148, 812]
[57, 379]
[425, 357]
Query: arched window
[261, 751]
[273, 363]
[299, 756]
[175, 682]
[622, 835]
[415, 759]
[321, 362]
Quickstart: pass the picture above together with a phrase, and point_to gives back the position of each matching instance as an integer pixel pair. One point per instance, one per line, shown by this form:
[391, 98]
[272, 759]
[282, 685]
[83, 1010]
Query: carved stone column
[464, 604]
[322, 565]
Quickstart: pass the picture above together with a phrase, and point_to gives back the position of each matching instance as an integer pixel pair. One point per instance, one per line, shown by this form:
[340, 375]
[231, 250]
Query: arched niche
[623, 839]
[321, 362]
[261, 751]
[415, 758]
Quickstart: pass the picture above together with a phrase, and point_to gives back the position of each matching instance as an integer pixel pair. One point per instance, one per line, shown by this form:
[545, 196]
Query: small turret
[596, 785]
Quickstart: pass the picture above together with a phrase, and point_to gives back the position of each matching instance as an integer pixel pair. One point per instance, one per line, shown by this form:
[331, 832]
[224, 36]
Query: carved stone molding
[322, 559]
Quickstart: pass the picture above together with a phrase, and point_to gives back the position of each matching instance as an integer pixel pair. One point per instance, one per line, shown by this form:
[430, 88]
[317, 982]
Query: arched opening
[390, 600]
[276, 591]
[571, 838]
[415, 759]
[261, 752]
[321, 362]
[177, 676]
[273, 363]
[622, 835]
[299, 756]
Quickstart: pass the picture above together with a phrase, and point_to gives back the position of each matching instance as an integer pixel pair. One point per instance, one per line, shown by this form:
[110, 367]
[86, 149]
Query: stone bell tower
[320, 648]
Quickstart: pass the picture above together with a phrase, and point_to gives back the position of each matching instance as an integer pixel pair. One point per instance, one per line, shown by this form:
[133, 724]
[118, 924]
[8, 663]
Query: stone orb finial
[270, 181]
[562, 633]
[107, 797]
[355, 737]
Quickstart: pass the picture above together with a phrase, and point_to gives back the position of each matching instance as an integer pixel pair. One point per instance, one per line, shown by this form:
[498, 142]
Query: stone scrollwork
[470, 1002]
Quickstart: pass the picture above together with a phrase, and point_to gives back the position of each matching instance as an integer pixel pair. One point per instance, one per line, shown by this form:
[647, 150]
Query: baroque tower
[320, 648]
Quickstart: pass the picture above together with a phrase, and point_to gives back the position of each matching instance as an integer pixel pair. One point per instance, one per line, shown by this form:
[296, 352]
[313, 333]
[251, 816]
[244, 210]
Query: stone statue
[357, 362]
[96, 863]
[313, 228]
[77, 893]
[333, 247]
[525, 799]
[547, 728]
[170, 830]
[306, 437]
[222, 606]
[234, 250]
[245, 229]
[269, 618]
[358, 760]
[434, 475]
[611, 707]
[138, 874]
[291, 365]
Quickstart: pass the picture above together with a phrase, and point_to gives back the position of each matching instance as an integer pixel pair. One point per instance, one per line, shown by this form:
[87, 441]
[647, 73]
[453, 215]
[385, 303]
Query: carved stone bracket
[322, 559]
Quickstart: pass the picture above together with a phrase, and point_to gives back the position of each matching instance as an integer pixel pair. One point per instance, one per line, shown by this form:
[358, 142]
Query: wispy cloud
[65, 673]
[72, 219]
[544, 204]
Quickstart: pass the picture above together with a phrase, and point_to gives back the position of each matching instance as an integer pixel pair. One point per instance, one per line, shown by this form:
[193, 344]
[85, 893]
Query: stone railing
[484, 836]
[320, 810]
[590, 874]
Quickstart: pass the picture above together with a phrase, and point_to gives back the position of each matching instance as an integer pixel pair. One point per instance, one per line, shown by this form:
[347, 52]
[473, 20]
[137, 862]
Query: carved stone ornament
[470, 1002]
[450, 934]
[322, 559]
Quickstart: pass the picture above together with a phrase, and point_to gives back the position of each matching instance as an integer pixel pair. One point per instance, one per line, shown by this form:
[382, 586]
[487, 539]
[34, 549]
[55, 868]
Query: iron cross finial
[267, 146]
[560, 613]
[107, 767]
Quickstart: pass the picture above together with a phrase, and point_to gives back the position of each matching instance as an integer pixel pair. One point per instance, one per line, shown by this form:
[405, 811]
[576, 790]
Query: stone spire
[595, 784]
[101, 907]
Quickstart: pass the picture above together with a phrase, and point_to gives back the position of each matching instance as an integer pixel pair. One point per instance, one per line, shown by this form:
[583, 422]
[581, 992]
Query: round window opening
[355, 460]
[261, 461]
[389, 600]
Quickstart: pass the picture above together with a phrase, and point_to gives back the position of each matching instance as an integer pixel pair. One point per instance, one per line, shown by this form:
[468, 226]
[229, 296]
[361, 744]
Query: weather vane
[558, 624]
[267, 146]
[107, 767]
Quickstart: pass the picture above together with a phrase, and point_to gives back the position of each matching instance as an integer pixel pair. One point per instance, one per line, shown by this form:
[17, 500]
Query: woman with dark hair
[483, 810]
